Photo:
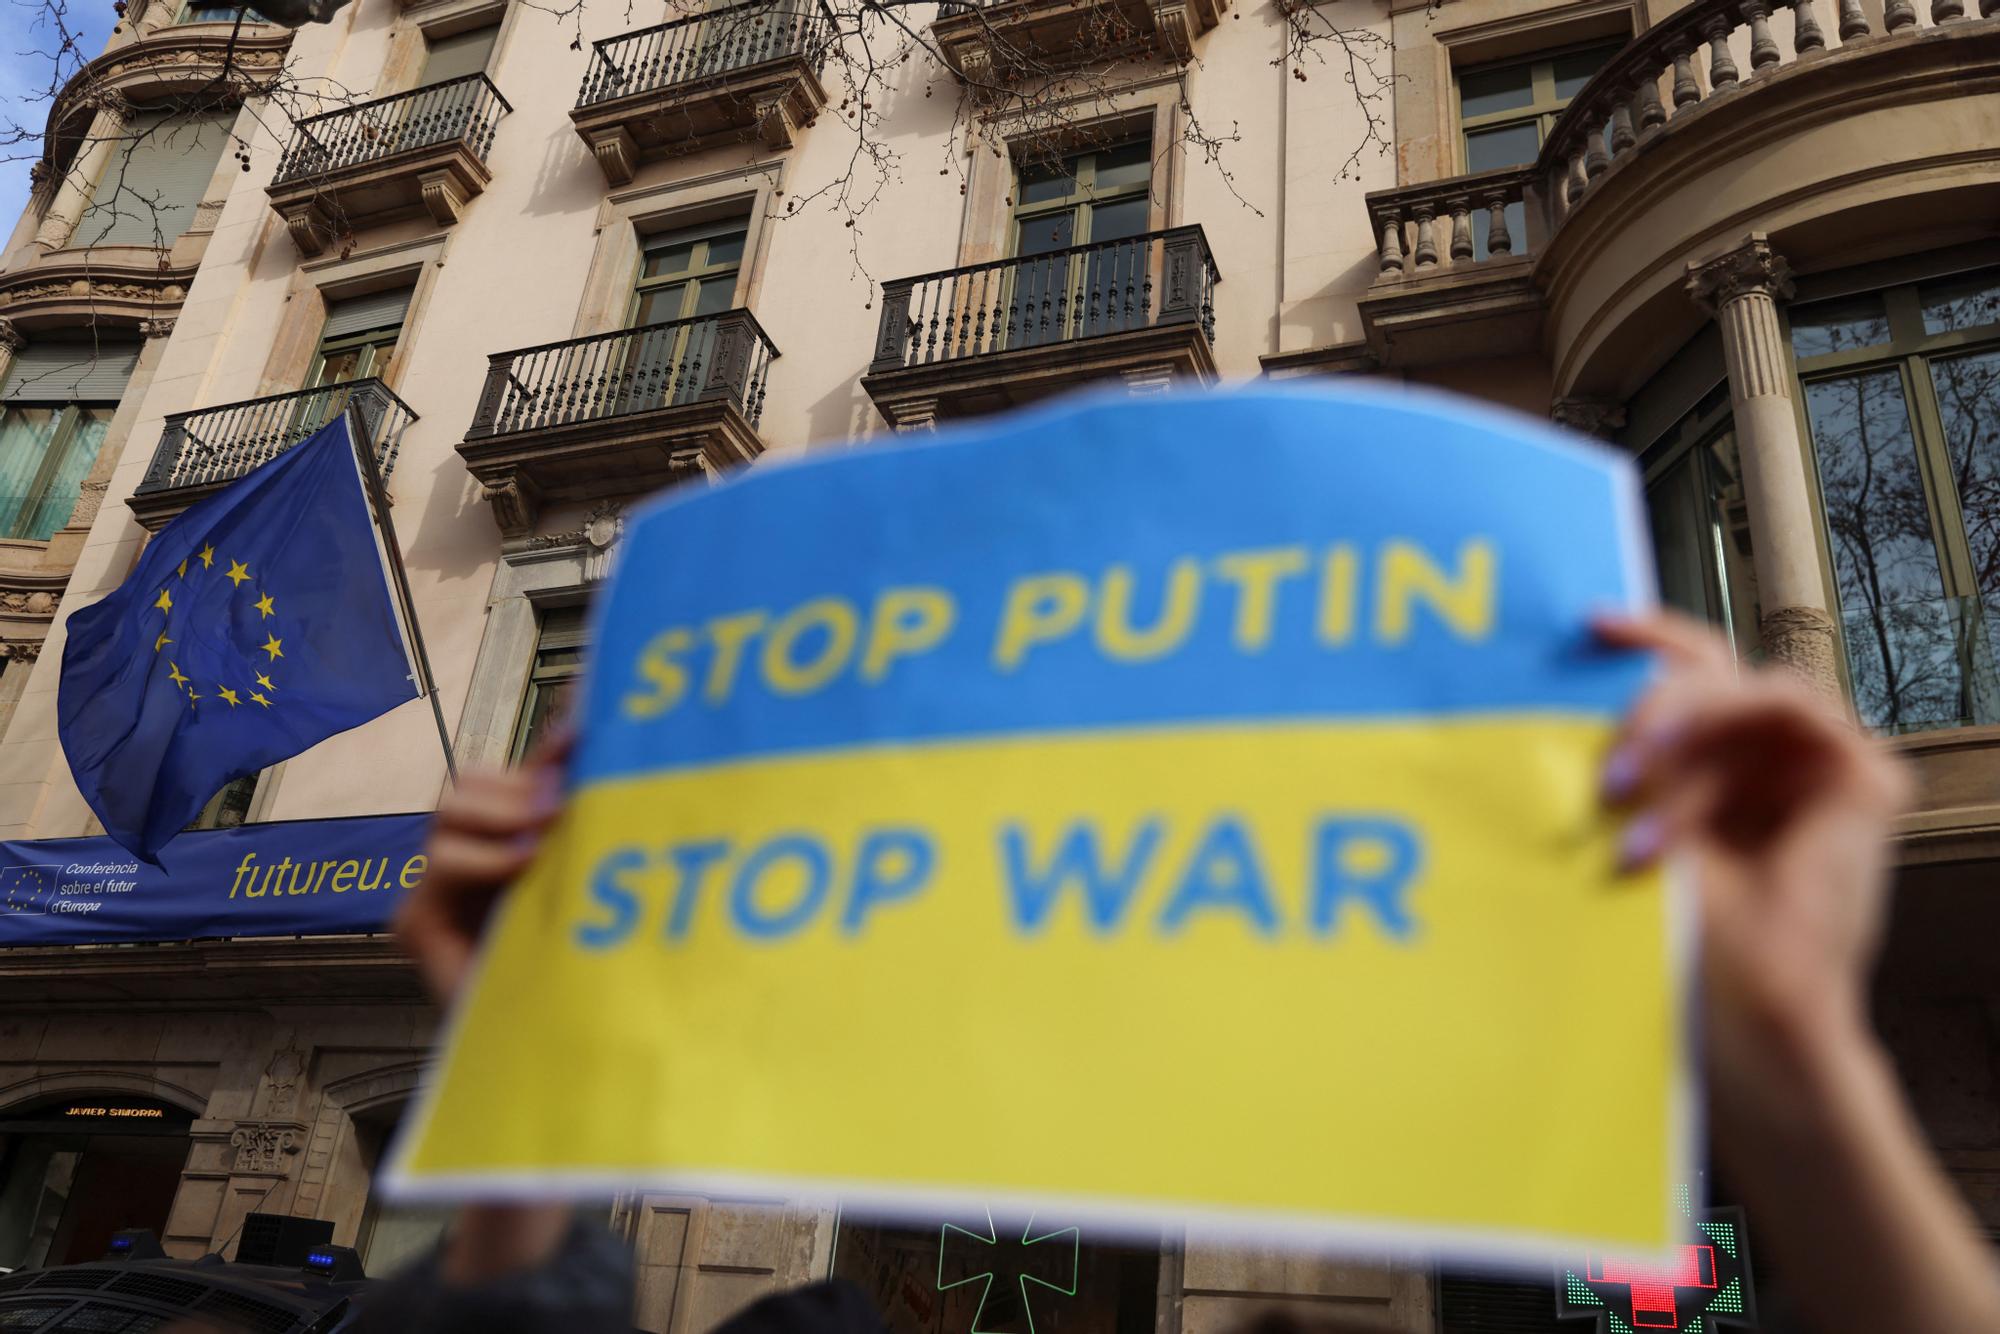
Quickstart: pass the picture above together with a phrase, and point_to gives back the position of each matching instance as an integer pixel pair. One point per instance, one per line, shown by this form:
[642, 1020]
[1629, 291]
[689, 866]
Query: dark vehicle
[136, 1290]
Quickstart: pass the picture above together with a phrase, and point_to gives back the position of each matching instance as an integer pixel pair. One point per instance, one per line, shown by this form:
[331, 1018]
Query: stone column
[1740, 290]
[72, 192]
[11, 342]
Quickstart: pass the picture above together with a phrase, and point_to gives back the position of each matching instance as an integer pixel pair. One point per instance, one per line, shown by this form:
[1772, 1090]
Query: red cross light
[1652, 1286]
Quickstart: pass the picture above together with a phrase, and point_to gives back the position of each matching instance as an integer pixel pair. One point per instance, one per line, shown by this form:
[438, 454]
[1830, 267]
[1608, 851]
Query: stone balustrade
[1691, 58]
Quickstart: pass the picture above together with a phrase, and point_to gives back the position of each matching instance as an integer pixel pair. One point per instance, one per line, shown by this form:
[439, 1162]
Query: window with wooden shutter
[155, 179]
[458, 54]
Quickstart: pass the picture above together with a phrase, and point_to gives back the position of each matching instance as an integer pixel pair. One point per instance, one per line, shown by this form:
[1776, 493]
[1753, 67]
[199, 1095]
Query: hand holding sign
[1221, 770]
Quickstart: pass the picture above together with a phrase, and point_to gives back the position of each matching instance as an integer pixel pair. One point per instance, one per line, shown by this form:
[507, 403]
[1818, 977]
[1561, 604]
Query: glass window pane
[1574, 70]
[1503, 146]
[660, 304]
[1483, 92]
[1123, 168]
[1701, 534]
[725, 249]
[1839, 326]
[1968, 390]
[1044, 181]
[25, 435]
[1116, 221]
[713, 295]
[1056, 231]
[672, 257]
[1900, 649]
[1968, 301]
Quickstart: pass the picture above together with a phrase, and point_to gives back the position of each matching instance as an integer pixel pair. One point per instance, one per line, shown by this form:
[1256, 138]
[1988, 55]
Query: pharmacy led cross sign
[1705, 1282]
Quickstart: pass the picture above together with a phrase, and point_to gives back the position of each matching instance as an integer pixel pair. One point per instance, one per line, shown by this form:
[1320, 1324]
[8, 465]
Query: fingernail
[1642, 842]
[1621, 774]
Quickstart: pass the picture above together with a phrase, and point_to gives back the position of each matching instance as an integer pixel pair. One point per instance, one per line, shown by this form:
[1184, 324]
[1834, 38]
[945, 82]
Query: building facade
[1756, 244]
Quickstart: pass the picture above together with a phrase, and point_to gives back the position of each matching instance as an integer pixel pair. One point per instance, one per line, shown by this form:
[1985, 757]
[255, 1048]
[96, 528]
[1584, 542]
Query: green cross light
[1033, 1259]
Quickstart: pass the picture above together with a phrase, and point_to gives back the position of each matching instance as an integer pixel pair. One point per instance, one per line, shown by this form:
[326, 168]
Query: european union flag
[255, 625]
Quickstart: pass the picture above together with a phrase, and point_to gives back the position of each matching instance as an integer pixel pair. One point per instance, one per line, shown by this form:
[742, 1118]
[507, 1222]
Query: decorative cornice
[1752, 269]
[1592, 416]
[121, 286]
[214, 62]
[10, 337]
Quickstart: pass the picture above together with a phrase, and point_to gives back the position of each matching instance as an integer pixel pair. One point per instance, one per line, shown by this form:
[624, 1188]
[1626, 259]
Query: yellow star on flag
[165, 601]
[207, 555]
[182, 570]
[274, 646]
[260, 699]
[161, 642]
[174, 674]
[265, 682]
[229, 695]
[237, 574]
[265, 605]
[192, 697]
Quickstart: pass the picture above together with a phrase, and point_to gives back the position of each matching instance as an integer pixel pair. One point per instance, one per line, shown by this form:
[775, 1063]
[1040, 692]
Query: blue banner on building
[292, 878]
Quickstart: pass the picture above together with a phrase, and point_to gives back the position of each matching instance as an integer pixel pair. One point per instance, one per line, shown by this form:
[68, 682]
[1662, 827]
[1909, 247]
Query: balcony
[1727, 110]
[992, 43]
[180, 65]
[201, 452]
[618, 413]
[731, 75]
[989, 336]
[420, 152]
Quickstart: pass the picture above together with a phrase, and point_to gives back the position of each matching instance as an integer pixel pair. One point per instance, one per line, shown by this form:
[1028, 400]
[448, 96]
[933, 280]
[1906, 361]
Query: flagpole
[360, 438]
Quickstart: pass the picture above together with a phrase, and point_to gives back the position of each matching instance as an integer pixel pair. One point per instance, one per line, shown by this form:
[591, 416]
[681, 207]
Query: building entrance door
[991, 1273]
[76, 1170]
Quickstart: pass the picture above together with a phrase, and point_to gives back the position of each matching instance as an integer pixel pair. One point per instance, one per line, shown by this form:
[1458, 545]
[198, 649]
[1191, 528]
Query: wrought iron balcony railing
[465, 110]
[604, 376]
[221, 444]
[715, 42]
[1086, 291]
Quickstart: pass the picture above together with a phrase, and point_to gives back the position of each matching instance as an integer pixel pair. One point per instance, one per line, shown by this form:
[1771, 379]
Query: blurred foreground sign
[1131, 809]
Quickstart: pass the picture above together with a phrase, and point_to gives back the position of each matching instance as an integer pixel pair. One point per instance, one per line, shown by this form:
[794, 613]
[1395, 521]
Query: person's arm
[486, 831]
[1782, 812]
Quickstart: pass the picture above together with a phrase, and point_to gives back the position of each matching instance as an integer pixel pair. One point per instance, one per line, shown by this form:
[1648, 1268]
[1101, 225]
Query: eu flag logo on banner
[255, 625]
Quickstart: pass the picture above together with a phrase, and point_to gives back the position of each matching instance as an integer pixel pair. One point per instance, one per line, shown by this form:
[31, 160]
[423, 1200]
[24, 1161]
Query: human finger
[500, 804]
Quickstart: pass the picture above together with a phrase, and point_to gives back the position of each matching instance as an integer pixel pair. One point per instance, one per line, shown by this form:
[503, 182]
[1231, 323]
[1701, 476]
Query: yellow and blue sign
[1157, 808]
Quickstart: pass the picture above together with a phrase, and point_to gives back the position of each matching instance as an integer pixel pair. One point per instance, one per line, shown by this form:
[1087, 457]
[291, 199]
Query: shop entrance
[77, 1169]
[990, 1273]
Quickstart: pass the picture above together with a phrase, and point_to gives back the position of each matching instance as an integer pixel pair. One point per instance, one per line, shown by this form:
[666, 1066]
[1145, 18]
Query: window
[197, 11]
[157, 174]
[1902, 400]
[683, 275]
[229, 807]
[688, 272]
[553, 678]
[54, 409]
[1701, 526]
[1095, 199]
[1506, 111]
[359, 337]
[458, 54]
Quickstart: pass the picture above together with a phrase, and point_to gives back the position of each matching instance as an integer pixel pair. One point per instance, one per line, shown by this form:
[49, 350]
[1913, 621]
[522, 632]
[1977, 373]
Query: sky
[28, 47]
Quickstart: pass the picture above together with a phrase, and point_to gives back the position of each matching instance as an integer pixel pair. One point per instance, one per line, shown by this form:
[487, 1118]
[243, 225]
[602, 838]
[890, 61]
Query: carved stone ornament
[263, 1146]
[1591, 416]
[281, 1080]
[1753, 268]
[20, 650]
[157, 328]
[11, 340]
[89, 500]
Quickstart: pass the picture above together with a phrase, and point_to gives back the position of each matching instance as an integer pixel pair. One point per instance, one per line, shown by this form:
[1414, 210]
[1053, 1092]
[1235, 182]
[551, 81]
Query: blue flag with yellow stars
[255, 625]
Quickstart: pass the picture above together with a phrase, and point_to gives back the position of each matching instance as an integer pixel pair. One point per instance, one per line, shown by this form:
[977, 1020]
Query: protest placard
[1165, 807]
